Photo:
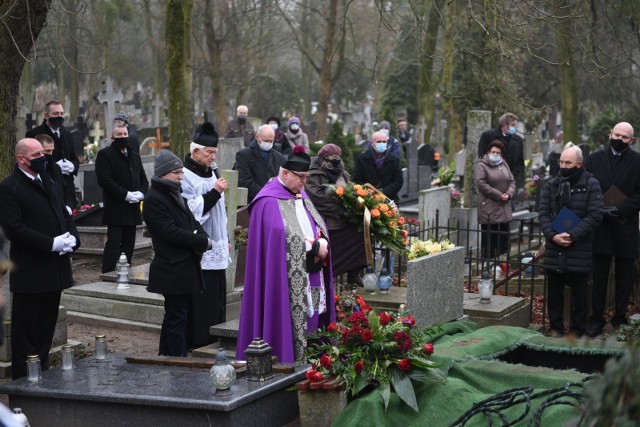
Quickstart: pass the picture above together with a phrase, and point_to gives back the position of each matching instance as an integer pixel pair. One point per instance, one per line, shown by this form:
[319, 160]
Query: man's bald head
[26, 145]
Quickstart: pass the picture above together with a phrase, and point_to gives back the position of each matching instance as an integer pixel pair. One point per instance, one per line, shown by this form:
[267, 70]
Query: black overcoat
[253, 171]
[586, 202]
[388, 179]
[178, 242]
[62, 147]
[618, 237]
[117, 174]
[31, 217]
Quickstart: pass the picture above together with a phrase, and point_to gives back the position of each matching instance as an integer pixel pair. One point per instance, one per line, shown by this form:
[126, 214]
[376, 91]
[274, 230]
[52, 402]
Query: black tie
[38, 181]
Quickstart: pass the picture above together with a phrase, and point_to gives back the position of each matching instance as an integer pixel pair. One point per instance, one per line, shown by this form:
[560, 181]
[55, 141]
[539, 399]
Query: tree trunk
[23, 22]
[326, 80]
[178, 36]
[568, 83]
[428, 81]
[215, 69]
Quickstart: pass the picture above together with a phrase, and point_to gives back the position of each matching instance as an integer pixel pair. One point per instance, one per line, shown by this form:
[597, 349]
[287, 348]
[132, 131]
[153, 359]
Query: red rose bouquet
[366, 347]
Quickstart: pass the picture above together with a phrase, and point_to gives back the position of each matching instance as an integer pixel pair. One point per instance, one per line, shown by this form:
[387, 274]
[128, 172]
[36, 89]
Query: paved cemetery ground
[120, 340]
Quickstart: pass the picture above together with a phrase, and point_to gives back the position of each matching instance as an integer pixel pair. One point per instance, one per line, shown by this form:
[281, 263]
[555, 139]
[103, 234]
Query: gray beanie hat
[165, 162]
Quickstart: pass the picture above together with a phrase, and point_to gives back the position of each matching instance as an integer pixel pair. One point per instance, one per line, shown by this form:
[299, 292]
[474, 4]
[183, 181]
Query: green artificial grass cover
[468, 355]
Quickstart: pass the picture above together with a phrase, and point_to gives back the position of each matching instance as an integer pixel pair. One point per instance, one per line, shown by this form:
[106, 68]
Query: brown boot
[353, 277]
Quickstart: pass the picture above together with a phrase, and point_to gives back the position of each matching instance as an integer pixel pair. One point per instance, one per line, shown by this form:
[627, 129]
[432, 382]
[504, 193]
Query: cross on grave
[29, 122]
[108, 98]
[158, 144]
[96, 133]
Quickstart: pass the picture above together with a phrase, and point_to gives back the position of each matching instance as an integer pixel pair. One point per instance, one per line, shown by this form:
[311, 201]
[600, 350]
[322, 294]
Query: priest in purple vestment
[288, 284]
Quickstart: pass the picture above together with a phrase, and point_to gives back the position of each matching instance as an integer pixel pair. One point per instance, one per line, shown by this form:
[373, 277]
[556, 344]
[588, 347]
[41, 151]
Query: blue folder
[565, 221]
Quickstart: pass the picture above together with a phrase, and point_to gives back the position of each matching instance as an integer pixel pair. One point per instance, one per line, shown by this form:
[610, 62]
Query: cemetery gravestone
[108, 98]
[227, 149]
[434, 200]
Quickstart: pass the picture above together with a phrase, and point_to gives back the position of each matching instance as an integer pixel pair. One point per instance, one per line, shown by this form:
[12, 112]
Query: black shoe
[594, 328]
[616, 321]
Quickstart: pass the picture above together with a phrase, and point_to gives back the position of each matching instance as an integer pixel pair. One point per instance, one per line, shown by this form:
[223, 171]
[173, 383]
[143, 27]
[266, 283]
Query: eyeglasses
[302, 176]
[177, 172]
[210, 152]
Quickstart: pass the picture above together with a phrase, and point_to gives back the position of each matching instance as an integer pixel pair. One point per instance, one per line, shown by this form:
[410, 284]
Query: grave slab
[502, 310]
[120, 393]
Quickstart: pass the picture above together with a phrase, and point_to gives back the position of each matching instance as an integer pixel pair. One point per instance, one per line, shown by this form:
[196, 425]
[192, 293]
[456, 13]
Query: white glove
[138, 195]
[131, 197]
[69, 210]
[324, 245]
[58, 242]
[69, 243]
[66, 166]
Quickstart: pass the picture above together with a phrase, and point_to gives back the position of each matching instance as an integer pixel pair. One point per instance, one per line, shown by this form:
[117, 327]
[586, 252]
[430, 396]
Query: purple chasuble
[273, 280]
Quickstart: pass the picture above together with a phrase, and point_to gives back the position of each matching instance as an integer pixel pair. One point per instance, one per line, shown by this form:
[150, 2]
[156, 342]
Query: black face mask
[242, 119]
[565, 172]
[39, 164]
[618, 145]
[56, 122]
[120, 143]
[335, 163]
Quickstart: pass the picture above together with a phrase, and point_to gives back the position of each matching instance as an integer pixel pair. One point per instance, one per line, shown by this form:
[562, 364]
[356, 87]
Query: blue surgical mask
[385, 132]
[381, 147]
[495, 159]
[512, 130]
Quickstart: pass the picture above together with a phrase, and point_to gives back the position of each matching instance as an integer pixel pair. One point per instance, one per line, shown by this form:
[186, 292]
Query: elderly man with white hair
[570, 212]
[204, 189]
[240, 127]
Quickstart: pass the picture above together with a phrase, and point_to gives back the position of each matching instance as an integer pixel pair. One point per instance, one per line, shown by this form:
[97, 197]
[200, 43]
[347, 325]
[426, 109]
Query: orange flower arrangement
[386, 224]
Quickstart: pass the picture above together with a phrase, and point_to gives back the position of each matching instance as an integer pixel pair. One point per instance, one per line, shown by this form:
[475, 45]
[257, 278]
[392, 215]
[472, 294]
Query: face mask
[618, 145]
[242, 119]
[385, 132]
[335, 163]
[265, 146]
[120, 143]
[56, 122]
[294, 127]
[567, 171]
[495, 159]
[381, 147]
[512, 130]
[39, 164]
[274, 126]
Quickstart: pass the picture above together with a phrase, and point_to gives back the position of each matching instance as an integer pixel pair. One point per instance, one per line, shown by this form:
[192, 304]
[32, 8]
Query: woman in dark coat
[496, 187]
[178, 242]
[347, 243]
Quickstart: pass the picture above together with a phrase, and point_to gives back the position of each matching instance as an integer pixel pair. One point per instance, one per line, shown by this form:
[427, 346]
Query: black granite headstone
[92, 192]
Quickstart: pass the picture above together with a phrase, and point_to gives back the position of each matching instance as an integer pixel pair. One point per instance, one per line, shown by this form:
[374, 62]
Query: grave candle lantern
[258, 355]
[485, 288]
[223, 374]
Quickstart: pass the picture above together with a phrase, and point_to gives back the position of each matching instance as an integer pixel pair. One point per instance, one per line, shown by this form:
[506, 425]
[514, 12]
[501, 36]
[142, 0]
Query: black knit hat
[165, 162]
[273, 119]
[206, 135]
[298, 160]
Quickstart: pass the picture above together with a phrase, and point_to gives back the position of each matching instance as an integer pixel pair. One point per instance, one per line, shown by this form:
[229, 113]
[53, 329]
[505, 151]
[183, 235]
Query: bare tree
[22, 23]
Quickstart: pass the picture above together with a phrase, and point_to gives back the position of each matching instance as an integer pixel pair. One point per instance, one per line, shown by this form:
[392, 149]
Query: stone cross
[233, 197]
[477, 122]
[96, 133]
[108, 98]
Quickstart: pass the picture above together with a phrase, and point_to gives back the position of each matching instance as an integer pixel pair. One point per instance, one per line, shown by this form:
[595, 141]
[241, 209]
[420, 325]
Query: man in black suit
[618, 169]
[379, 167]
[259, 162]
[63, 152]
[53, 169]
[124, 184]
[42, 235]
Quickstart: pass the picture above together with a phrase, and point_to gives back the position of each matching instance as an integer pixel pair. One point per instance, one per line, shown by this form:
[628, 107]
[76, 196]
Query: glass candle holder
[101, 347]
[68, 357]
[34, 371]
